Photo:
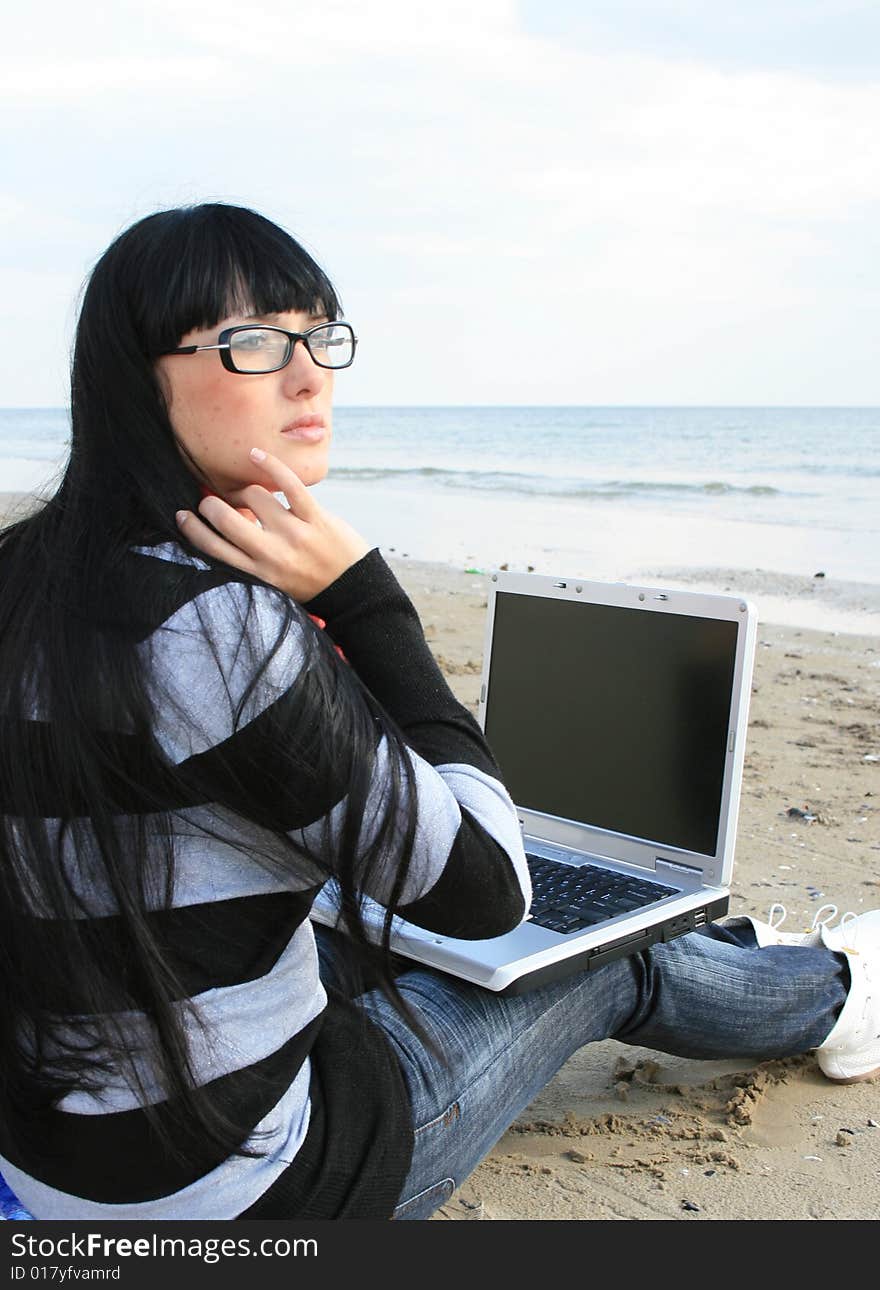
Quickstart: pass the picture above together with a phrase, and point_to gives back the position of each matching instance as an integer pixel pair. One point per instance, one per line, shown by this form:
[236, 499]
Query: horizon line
[867, 407]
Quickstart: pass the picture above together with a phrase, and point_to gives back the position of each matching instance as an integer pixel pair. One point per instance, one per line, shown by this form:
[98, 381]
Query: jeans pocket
[424, 1203]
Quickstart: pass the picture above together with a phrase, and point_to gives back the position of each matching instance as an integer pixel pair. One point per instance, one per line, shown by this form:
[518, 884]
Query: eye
[331, 344]
[258, 349]
[251, 341]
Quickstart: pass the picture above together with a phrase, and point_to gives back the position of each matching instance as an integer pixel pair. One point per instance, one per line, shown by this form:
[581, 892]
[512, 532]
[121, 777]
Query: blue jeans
[710, 994]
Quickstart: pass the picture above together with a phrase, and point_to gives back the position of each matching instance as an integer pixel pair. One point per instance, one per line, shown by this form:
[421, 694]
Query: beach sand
[629, 1133]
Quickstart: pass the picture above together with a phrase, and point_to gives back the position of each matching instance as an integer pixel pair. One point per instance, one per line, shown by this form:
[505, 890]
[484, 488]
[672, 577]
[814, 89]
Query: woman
[215, 696]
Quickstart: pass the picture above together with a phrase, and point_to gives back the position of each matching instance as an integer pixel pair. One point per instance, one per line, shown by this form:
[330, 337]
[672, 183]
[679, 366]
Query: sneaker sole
[854, 1079]
[842, 1078]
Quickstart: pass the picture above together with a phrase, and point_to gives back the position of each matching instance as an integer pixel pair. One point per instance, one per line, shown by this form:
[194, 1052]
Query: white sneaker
[852, 1050]
[769, 934]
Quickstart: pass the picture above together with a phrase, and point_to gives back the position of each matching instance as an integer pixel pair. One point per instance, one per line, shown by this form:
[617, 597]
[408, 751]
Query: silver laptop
[618, 716]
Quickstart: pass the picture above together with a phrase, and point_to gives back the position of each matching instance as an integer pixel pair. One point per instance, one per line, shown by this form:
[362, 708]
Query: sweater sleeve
[239, 707]
[370, 616]
[483, 886]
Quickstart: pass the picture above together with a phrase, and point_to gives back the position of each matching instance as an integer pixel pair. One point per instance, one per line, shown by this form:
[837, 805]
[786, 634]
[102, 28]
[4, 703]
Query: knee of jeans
[426, 1202]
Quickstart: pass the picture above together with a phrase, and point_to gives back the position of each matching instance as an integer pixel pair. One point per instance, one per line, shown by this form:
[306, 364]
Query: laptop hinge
[677, 865]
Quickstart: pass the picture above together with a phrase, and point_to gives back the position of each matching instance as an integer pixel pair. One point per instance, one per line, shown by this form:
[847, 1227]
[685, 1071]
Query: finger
[255, 500]
[301, 501]
[232, 525]
[241, 505]
[244, 511]
[210, 543]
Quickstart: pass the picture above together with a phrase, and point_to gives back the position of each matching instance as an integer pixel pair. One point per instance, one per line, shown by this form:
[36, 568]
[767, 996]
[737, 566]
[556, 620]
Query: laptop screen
[613, 717]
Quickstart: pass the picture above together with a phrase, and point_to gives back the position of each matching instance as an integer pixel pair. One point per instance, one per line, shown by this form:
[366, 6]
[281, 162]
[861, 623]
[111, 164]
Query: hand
[300, 551]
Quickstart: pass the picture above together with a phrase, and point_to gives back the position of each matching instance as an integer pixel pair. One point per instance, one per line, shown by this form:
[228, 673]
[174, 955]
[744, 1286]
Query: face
[219, 416]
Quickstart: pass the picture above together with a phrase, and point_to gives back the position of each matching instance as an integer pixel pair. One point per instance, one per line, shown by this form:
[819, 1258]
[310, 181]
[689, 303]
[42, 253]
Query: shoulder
[186, 606]
[219, 649]
[174, 588]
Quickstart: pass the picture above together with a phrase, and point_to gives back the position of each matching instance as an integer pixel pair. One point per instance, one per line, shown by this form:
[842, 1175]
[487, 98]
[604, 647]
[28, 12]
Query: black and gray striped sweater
[319, 1090]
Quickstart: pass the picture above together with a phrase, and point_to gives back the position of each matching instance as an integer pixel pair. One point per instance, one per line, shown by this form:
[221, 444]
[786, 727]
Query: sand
[629, 1133]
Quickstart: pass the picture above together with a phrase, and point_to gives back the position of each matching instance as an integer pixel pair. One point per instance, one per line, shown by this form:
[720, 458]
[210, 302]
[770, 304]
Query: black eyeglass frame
[224, 346]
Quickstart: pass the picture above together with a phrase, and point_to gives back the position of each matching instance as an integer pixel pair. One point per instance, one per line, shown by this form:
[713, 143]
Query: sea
[594, 492]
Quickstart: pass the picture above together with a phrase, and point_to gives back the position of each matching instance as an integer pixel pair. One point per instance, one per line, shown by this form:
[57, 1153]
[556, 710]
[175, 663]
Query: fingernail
[182, 517]
[258, 454]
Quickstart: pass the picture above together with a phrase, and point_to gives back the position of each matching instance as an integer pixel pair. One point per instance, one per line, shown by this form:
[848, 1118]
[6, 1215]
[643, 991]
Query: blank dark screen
[614, 717]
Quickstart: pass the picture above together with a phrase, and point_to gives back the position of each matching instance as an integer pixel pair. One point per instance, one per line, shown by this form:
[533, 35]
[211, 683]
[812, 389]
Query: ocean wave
[548, 485]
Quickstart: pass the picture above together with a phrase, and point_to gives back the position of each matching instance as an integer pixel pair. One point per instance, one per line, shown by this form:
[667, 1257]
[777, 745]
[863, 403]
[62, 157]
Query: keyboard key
[567, 898]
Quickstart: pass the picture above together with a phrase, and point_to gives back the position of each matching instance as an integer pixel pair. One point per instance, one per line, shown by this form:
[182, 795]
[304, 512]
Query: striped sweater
[317, 1087]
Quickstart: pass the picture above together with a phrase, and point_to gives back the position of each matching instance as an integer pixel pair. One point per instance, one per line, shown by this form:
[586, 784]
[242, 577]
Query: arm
[370, 616]
[468, 846]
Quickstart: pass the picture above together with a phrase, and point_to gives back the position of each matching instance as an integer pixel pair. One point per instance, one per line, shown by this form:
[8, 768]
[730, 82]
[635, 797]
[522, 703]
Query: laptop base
[589, 960]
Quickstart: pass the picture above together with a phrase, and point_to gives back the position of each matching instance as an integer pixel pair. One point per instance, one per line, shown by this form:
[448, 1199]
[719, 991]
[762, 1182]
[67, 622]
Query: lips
[306, 429]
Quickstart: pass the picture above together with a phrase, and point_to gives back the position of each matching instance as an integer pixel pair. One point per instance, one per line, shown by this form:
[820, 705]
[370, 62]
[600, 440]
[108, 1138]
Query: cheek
[209, 415]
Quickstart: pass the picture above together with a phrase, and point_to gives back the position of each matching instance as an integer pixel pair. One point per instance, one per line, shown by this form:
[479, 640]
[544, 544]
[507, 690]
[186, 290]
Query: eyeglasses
[255, 348]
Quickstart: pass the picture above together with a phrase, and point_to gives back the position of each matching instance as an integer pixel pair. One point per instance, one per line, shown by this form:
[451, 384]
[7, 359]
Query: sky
[519, 201]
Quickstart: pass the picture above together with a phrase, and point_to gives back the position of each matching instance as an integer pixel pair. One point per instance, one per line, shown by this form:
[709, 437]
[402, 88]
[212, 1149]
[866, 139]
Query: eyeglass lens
[258, 349]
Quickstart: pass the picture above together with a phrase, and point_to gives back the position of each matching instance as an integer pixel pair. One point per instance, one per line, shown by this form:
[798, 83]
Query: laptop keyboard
[568, 898]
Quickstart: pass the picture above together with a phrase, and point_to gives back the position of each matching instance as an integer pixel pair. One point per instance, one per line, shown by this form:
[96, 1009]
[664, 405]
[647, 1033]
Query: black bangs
[201, 264]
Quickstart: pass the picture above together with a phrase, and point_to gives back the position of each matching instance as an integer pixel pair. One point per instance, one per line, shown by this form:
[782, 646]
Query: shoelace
[777, 915]
[846, 920]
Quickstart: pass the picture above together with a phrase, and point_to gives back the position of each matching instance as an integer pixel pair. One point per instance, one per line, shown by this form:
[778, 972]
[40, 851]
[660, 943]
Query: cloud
[51, 78]
[434, 156]
[830, 38]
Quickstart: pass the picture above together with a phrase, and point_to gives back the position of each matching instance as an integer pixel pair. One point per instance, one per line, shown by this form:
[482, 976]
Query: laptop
[618, 716]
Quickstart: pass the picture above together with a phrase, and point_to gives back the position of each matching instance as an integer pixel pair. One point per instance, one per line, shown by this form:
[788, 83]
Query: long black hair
[69, 673]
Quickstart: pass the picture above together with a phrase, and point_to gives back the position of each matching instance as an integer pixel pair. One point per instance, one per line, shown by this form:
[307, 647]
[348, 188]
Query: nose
[303, 378]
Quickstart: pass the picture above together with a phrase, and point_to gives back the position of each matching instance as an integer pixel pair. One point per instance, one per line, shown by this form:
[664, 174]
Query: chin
[311, 472]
